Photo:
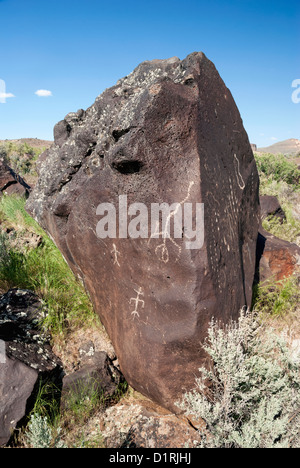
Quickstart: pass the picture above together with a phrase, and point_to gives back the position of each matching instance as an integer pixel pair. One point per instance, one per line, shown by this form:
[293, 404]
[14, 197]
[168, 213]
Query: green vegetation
[277, 168]
[288, 229]
[41, 269]
[21, 158]
[41, 435]
[281, 178]
[278, 299]
[250, 398]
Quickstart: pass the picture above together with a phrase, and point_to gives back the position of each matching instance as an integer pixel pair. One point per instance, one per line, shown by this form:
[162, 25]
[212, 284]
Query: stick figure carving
[116, 253]
[136, 300]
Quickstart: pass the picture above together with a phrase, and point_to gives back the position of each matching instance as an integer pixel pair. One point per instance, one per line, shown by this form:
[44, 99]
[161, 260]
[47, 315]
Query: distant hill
[33, 142]
[288, 147]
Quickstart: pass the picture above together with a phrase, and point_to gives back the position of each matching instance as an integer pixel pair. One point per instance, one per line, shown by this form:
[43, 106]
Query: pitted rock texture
[170, 132]
[21, 312]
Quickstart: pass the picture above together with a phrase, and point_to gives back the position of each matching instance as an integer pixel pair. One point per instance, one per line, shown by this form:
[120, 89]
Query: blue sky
[76, 49]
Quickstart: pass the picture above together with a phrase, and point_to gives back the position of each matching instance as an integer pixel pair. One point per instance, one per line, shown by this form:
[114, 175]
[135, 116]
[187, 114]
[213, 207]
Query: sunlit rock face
[170, 132]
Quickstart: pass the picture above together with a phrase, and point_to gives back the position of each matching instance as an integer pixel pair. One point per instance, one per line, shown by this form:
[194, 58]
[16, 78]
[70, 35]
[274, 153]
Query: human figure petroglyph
[115, 253]
[136, 300]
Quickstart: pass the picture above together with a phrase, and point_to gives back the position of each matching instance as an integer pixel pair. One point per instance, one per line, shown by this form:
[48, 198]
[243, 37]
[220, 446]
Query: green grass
[42, 270]
[278, 299]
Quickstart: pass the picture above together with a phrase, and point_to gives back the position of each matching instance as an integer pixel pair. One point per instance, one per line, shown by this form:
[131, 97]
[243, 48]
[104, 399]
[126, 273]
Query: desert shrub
[4, 153]
[250, 398]
[21, 158]
[277, 167]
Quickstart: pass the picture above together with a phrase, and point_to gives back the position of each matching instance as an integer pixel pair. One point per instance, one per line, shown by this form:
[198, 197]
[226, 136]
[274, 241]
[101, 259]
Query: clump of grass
[44, 271]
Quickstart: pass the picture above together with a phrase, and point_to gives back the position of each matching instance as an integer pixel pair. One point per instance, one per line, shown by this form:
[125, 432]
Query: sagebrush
[250, 398]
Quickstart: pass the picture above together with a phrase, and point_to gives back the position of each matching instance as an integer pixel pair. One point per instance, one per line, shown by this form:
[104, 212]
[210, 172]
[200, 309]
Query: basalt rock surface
[170, 132]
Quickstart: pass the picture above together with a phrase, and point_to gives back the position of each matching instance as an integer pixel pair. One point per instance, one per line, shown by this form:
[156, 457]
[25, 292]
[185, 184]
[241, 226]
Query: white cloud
[274, 138]
[6, 95]
[43, 93]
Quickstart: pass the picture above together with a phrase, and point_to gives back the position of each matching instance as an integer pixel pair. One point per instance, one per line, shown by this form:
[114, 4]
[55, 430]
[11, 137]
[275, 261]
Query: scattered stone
[140, 426]
[87, 350]
[28, 360]
[169, 132]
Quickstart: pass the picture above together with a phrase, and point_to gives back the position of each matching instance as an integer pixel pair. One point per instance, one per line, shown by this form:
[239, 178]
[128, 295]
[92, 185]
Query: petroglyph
[136, 300]
[115, 253]
[162, 251]
[240, 179]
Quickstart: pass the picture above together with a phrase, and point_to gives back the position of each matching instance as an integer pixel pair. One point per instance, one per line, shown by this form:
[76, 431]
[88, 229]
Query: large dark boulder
[169, 132]
[26, 358]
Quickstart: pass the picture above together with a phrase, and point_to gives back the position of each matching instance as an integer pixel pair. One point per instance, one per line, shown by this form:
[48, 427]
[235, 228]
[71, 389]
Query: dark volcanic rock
[27, 360]
[12, 183]
[97, 376]
[270, 206]
[169, 132]
[17, 382]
